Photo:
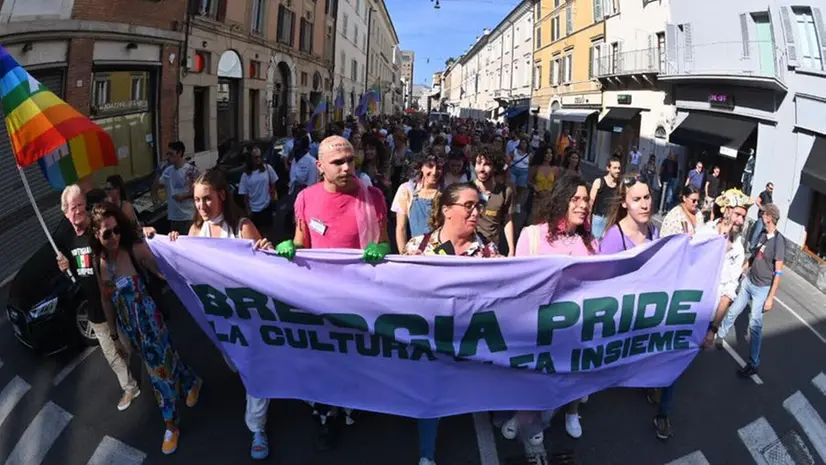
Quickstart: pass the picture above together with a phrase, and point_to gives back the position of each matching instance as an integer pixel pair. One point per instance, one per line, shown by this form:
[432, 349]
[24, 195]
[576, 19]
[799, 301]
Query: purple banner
[434, 336]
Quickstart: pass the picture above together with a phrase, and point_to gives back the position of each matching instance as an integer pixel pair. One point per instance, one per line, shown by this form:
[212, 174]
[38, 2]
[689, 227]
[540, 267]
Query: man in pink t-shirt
[338, 212]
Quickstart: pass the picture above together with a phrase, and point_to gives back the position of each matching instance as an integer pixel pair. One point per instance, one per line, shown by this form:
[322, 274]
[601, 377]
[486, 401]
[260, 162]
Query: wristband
[778, 273]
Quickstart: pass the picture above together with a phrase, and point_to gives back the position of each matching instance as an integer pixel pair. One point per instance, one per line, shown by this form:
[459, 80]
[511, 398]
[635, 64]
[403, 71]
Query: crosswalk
[767, 448]
[41, 433]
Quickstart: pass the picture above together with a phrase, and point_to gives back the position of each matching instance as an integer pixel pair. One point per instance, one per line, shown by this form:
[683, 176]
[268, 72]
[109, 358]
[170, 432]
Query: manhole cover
[788, 450]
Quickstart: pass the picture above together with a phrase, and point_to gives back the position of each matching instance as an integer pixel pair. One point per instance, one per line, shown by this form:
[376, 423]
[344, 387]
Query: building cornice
[516, 14]
[22, 31]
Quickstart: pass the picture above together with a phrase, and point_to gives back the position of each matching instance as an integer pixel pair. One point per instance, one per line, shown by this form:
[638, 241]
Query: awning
[617, 118]
[814, 171]
[516, 111]
[576, 116]
[726, 132]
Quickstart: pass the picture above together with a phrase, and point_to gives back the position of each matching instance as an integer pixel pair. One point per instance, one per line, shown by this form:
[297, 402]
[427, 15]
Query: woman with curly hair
[414, 200]
[123, 262]
[564, 230]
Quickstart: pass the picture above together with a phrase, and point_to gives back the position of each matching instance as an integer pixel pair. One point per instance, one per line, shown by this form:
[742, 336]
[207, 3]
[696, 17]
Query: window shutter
[620, 59]
[744, 34]
[821, 34]
[652, 44]
[670, 48]
[597, 11]
[292, 28]
[591, 62]
[569, 20]
[689, 44]
[788, 33]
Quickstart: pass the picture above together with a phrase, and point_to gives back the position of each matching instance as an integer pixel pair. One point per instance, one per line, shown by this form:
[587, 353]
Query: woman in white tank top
[218, 218]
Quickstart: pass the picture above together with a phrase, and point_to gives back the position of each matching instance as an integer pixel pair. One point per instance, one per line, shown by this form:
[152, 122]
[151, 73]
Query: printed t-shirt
[498, 204]
[330, 217]
[77, 250]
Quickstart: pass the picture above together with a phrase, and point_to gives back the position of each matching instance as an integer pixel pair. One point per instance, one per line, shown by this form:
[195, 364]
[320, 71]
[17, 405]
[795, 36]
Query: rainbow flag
[44, 128]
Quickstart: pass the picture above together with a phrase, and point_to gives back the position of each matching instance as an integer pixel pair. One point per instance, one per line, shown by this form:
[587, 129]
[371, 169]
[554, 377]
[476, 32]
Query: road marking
[820, 383]
[484, 439]
[806, 323]
[694, 458]
[809, 420]
[740, 361]
[11, 395]
[67, 370]
[110, 451]
[757, 436]
[39, 436]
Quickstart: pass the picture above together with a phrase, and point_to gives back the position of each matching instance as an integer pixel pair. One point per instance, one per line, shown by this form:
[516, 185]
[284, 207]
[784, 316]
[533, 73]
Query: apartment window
[138, 88]
[355, 34]
[103, 92]
[344, 25]
[358, 6]
[598, 11]
[538, 40]
[305, 43]
[354, 72]
[208, 8]
[614, 57]
[661, 51]
[596, 65]
[257, 16]
[611, 7]
[286, 25]
[556, 3]
[305, 79]
[538, 10]
[809, 54]
[343, 61]
[537, 79]
[569, 66]
[555, 29]
[569, 20]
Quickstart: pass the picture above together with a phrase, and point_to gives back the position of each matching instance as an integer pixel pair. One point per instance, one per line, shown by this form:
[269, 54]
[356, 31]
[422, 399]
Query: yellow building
[567, 99]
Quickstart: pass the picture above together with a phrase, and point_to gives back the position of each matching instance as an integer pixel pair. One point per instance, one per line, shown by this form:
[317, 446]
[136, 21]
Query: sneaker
[424, 461]
[747, 371]
[573, 426]
[194, 393]
[663, 425]
[170, 441]
[537, 440]
[260, 446]
[127, 398]
[510, 428]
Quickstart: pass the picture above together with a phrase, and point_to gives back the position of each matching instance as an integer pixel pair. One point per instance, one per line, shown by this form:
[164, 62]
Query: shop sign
[624, 99]
[582, 100]
[724, 101]
[128, 106]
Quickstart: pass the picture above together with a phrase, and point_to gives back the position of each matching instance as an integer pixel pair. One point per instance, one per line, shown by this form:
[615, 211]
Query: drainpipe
[331, 105]
[369, 33]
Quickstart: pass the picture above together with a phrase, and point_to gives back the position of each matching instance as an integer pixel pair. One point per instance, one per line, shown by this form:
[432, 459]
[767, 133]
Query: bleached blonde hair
[69, 192]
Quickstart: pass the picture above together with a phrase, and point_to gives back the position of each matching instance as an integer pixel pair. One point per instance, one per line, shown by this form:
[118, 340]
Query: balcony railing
[647, 60]
[755, 59]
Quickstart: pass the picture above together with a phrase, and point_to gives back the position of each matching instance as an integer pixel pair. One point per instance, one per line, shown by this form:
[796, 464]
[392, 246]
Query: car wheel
[84, 326]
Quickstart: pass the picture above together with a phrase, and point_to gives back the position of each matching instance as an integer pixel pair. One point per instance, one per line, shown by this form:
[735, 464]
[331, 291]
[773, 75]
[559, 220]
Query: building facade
[749, 86]
[407, 72]
[351, 51]
[509, 66]
[452, 84]
[254, 67]
[383, 66]
[627, 63]
[116, 61]
[566, 95]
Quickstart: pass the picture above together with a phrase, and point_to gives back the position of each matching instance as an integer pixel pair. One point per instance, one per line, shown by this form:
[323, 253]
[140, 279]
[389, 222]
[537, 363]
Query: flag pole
[40, 216]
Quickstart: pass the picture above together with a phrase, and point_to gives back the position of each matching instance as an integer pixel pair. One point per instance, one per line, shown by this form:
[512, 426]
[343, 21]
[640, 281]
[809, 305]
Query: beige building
[254, 67]
[383, 60]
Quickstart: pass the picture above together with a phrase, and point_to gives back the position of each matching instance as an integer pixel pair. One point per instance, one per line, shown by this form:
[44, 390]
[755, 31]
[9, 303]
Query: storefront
[517, 115]
[576, 116]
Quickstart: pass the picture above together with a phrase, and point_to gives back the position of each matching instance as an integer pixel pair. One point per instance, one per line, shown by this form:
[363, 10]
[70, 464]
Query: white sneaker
[424, 461]
[510, 428]
[584, 400]
[537, 440]
[572, 425]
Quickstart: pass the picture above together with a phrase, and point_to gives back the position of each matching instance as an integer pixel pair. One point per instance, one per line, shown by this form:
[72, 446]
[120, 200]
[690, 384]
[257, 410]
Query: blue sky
[447, 32]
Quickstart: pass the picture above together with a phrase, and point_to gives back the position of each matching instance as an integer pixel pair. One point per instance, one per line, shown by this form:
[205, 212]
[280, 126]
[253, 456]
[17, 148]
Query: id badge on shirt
[317, 226]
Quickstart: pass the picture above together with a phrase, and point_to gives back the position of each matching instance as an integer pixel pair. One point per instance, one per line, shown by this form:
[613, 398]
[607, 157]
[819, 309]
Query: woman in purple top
[629, 221]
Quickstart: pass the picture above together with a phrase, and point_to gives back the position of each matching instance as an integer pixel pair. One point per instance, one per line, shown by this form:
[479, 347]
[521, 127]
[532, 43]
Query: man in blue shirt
[695, 177]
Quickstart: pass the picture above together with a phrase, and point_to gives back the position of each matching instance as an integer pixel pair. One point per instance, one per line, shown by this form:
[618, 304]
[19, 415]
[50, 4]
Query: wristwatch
[114, 335]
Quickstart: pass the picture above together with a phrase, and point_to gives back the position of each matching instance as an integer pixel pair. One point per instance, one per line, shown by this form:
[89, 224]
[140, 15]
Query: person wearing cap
[762, 278]
[340, 212]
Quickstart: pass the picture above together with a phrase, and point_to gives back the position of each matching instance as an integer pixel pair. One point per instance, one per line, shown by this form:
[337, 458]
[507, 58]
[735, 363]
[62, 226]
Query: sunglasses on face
[108, 233]
[470, 206]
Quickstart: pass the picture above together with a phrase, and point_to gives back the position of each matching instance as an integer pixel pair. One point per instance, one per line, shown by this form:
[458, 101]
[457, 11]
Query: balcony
[755, 64]
[631, 63]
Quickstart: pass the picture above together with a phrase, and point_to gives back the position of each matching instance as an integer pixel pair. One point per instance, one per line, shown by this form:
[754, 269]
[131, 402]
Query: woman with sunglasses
[564, 229]
[122, 262]
[456, 210]
[116, 193]
[414, 200]
[629, 220]
[686, 217]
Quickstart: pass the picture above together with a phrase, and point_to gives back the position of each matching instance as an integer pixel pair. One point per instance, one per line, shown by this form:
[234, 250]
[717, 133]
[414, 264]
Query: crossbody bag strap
[425, 241]
[622, 236]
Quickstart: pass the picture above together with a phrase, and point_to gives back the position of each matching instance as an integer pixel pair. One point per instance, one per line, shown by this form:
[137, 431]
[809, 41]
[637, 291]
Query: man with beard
[497, 197]
[734, 206]
[340, 212]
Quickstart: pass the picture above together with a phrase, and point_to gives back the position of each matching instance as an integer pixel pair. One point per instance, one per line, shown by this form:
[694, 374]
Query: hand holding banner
[434, 336]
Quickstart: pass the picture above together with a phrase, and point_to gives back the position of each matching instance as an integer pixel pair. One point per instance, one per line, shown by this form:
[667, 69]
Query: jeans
[428, 427]
[670, 193]
[667, 400]
[598, 226]
[757, 295]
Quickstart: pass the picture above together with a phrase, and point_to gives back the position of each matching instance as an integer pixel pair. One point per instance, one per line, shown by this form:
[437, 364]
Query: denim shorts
[519, 176]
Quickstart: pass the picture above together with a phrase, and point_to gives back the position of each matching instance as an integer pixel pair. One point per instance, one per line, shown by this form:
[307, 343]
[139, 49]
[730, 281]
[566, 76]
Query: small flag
[44, 128]
[320, 109]
[339, 105]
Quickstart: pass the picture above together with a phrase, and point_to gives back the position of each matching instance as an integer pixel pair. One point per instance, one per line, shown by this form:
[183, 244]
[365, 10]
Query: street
[61, 411]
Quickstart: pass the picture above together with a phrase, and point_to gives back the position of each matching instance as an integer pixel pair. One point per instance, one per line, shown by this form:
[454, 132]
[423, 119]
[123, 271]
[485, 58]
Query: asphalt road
[61, 411]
